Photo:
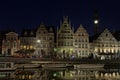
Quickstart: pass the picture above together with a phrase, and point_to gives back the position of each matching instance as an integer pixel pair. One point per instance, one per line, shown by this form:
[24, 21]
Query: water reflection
[61, 74]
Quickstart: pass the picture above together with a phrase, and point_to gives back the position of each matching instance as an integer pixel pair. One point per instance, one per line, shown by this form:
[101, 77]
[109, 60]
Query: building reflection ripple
[61, 74]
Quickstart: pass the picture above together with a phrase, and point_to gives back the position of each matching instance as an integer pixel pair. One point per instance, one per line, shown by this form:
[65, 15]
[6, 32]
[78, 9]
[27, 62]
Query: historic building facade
[65, 40]
[81, 42]
[27, 43]
[10, 44]
[44, 41]
[105, 46]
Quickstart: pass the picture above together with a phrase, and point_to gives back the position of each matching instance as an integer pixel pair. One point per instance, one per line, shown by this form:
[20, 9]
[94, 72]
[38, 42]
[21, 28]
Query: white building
[81, 44]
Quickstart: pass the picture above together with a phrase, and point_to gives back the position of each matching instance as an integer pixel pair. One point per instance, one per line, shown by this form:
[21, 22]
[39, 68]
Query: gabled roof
[94, 37]
[11, 33]
[81, 28]
[51, 29]
[42, 26]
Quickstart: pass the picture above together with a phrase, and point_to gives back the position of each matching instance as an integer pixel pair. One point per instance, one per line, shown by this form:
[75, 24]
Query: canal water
[61, 74]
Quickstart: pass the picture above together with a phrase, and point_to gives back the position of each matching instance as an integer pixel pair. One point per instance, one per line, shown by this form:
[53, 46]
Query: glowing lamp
[38, 41]
[96, 21]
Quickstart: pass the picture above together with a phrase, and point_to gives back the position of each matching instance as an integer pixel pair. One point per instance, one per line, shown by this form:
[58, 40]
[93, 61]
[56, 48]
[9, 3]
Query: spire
[42, 25]
[51, 30]
[73, 29]
[65, 19]
[96, 21]
[81, 25]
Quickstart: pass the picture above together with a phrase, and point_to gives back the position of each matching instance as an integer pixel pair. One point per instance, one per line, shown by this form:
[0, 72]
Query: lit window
[24, 47]
[31, 47]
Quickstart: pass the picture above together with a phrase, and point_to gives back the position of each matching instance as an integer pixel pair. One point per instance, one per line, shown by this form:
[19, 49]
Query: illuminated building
[81, 44]
[105, 45]
[69, 44]
[10, 44]
[65, 39]
[44, 41]
[107, 75]
[27, 42]
[76, 74]
[117, 36]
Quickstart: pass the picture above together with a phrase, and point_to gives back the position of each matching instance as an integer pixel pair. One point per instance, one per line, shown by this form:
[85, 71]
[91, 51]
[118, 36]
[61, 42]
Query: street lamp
[38, 46]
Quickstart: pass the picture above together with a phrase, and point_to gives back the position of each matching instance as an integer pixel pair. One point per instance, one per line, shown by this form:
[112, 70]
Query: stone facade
[44, 41]
[81, 42]
[65, 44]
[10, 44]
[65, 39]
[27, 40]
[105, 46]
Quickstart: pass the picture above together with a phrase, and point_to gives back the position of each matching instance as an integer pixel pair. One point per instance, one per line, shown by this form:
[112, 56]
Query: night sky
[20, 14]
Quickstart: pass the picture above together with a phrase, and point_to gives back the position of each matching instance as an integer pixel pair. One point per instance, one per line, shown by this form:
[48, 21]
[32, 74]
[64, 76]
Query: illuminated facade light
[38, 41]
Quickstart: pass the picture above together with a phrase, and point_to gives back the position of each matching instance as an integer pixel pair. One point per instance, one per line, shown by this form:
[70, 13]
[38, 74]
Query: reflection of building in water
[60, 74]
[84, 75]
[75, 75]
[24, 74]
[107, 75]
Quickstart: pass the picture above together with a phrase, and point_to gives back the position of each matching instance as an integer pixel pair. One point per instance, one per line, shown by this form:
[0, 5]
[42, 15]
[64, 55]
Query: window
[15, 38]
[86, 46]
[14, 44]
[82, 45]
[79, 45]
[8, 65]
[106, 35]
[50, 38]
[75, 40]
